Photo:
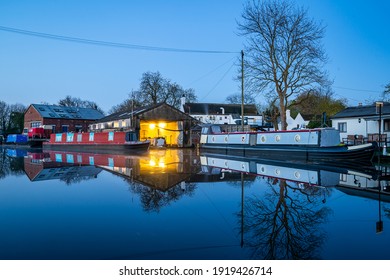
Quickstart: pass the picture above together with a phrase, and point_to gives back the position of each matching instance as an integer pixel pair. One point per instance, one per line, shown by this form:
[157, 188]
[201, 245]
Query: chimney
[288, 114]
[182, 102]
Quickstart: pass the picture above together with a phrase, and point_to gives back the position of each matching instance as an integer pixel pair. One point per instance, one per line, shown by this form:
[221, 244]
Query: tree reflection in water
[285, 222]
[10, 165]
[152, 199]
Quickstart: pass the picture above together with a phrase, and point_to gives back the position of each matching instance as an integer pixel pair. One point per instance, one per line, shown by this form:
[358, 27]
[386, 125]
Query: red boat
[102, 142]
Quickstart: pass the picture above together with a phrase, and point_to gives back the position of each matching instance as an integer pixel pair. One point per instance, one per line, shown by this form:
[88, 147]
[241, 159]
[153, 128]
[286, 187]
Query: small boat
[322, 144]
[102, 142]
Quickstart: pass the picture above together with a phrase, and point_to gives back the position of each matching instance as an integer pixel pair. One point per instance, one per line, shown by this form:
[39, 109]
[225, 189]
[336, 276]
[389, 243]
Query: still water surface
[176, 204]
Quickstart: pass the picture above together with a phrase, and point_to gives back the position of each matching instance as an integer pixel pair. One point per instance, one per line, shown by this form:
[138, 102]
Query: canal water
[179, 204]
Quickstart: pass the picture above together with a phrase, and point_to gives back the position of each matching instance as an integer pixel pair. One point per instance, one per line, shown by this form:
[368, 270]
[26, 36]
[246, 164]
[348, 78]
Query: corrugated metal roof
[62, 112]
[362, 111]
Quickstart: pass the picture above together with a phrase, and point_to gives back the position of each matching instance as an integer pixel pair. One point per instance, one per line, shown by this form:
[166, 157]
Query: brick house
[60, 118]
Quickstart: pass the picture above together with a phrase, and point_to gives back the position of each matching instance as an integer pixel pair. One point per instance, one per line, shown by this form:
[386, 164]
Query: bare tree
[386, 93]
[11, 118]
[70, 101]
[284, 54]
[4, 116]
[236, 99]
[154, 89]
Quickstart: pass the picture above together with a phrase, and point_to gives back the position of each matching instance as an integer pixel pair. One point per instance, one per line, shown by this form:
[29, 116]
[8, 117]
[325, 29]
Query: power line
[212, 71]
[107, 43]
[354, 89]
[219, 81]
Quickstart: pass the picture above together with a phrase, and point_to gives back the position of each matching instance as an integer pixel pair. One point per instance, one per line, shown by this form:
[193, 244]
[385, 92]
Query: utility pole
[242, 90]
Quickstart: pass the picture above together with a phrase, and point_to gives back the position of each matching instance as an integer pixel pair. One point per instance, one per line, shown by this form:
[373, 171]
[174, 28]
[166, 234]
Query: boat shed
[60, 118]
[161, 123]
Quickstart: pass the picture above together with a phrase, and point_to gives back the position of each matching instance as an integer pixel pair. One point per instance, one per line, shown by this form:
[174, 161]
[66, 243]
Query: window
[386, 125]
[36, 124]
[342, 127]
[65, 128]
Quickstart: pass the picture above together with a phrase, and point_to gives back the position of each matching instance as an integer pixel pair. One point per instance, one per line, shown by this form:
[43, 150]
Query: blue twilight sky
[34, 69]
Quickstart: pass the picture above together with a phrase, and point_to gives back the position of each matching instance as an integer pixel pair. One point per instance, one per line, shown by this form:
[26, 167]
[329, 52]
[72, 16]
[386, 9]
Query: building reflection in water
[283, 219]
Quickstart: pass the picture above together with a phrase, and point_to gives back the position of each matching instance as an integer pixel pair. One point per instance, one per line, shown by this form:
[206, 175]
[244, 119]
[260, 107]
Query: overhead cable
[107, 43]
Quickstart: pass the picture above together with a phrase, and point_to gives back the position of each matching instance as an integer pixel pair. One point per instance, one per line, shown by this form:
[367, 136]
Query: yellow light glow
[162, 125]
[152, 126]
[161, 164]
[152, 163]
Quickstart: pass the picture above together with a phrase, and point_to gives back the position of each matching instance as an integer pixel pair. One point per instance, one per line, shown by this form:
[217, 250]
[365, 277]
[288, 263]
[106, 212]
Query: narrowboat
[102, 142]
[321, 144]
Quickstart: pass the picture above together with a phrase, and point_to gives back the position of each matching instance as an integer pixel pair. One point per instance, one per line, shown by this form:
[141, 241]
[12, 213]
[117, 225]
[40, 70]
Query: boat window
[69, 137]
[131, 136]
[58, 137]
[58, 157]
[69, 158]
[205, 130]
[91, 136]
[216, 129]
[111, 136]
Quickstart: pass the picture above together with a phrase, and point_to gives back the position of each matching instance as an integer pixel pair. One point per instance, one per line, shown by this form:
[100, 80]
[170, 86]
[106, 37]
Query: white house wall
[354, 127]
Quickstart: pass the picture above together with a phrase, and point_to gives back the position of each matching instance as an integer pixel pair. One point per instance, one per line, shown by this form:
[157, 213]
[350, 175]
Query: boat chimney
[223, 110]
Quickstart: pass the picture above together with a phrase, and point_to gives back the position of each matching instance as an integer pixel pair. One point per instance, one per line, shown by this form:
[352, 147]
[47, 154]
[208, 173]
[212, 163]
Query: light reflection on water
[177, 204]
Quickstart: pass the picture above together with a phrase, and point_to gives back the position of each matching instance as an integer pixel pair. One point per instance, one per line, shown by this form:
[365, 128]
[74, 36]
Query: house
[294, 123]
[60, 118]
[160, 123]
[362, 123]
[218, 113]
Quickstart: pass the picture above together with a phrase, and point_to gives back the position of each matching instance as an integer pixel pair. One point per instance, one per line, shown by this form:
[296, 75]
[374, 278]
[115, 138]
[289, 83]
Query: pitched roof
[362, 111]
[62, 112]
[216, 108]
[144, 110]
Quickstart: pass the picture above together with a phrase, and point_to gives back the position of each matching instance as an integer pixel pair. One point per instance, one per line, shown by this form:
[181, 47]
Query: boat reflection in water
[286, 221]
[158, 176]
[177, 204]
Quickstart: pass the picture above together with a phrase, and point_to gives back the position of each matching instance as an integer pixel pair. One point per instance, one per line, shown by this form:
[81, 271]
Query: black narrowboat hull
[361, 153]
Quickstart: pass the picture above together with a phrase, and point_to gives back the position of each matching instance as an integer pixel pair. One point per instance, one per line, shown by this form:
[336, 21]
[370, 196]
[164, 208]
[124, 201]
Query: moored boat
[103, 142]
[321, 144]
